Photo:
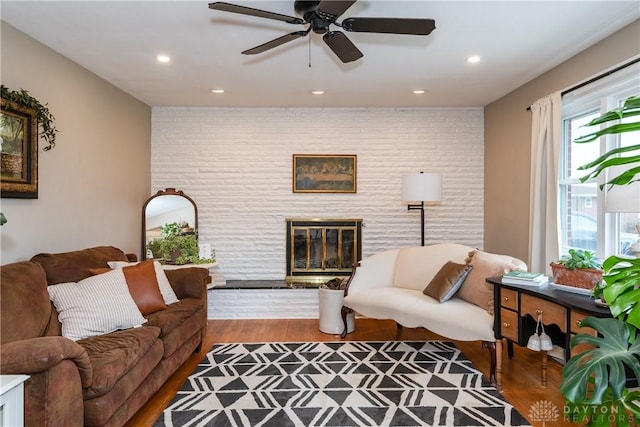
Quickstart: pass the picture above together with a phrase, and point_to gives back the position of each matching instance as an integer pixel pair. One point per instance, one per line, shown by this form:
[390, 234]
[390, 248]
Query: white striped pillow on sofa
[94, 306]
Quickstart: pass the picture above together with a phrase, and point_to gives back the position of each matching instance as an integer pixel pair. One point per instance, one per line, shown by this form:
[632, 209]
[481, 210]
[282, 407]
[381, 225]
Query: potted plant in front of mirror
[601, 384]
[177, 247]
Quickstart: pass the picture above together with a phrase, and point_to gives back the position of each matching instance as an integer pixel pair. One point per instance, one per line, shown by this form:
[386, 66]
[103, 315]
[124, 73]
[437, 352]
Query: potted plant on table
[581, 269]
[595, 382]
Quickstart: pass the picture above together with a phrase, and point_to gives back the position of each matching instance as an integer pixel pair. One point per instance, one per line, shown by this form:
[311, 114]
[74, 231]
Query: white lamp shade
[622, 198]
[421, 187]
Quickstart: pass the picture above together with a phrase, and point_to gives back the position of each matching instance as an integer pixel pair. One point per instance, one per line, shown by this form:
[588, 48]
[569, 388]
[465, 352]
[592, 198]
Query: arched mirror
[169, 206]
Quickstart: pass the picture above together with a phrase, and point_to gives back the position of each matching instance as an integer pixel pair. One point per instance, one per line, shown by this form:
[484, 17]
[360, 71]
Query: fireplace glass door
[319, 250]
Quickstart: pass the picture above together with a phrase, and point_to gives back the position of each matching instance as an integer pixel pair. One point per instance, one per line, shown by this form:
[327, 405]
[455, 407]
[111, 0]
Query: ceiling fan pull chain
[309, 52]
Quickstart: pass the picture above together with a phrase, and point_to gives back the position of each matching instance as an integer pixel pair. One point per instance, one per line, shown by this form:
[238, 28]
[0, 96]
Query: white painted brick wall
[236, 164]
[263, 304]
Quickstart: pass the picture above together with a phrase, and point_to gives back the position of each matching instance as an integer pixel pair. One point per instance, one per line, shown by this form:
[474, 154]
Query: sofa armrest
[40, 354]
[190, 282]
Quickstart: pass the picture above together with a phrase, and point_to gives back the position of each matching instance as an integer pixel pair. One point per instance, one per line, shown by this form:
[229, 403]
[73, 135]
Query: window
[583, 221]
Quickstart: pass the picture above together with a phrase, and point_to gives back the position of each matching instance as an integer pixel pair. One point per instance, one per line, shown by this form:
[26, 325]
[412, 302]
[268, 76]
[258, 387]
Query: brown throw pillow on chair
[447, 281]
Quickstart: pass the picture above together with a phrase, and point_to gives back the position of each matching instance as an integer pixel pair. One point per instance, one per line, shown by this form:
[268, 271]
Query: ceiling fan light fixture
[320, 15]
[474, 59]
[163, 59]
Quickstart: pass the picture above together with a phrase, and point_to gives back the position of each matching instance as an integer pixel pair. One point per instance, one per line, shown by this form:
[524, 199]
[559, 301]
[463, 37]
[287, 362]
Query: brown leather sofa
[101, 380]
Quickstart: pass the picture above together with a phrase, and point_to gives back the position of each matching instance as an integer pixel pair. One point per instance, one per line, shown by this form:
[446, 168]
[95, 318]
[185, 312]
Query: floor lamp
[624, 199]
[421, 187]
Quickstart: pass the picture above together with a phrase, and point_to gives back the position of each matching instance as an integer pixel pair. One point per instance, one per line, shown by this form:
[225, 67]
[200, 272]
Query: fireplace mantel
[322, 249]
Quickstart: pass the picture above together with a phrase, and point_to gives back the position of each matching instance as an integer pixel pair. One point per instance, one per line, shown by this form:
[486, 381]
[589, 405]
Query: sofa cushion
[447, 281]
[74, 266]
[177, 323]
[416, 266]
[24, 302]
[113, 355]
[166, 290]
[475, 288]
[455, 319]
[96, 305]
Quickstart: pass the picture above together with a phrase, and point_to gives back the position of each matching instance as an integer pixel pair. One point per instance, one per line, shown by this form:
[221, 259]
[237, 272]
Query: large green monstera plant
[595, 382]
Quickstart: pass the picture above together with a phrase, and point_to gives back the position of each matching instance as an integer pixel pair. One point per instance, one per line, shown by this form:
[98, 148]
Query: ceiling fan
[320, 15]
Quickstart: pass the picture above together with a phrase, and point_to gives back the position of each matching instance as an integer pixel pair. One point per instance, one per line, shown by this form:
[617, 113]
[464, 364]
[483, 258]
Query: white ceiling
[119, 40]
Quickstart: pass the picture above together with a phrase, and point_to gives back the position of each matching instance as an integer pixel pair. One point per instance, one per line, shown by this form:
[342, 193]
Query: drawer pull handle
[506, 324]
[579, 323]
[506, 299]
[539, 312]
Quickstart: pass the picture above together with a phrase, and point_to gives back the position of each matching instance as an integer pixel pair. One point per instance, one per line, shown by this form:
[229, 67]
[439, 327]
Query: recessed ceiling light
[317, 92]
[163, 58]
[473, 59]
[419, 91]
[216, 90]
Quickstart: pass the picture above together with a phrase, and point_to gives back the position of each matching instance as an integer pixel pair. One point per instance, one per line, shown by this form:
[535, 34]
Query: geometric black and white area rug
[347, 383]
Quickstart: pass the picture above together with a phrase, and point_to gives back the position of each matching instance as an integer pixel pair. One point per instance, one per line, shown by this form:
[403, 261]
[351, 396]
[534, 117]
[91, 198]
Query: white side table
[12, 400]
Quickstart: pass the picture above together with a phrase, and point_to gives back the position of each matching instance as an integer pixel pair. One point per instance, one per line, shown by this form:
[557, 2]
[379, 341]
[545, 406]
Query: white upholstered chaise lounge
[390, 284]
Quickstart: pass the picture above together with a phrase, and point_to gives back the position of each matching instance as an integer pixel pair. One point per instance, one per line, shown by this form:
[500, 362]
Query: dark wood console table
[516, 311]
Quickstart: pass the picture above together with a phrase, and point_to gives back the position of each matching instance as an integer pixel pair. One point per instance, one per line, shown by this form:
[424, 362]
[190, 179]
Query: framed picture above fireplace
[324, 173]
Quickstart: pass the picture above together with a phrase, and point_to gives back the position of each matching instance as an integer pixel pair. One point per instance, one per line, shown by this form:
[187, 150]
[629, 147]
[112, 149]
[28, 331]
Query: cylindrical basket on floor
[330, 307]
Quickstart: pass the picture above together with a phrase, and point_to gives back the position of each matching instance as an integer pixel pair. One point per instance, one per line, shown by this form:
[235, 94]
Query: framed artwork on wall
[324, 173]
[19, 151]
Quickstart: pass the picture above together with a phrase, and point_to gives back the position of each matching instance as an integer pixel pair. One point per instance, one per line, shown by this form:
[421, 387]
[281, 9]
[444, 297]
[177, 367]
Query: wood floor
[521, 375]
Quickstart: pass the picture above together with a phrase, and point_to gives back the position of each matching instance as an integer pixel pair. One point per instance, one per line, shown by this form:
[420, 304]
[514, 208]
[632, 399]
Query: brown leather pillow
[96, 271]
[447, 281]
[143, 287]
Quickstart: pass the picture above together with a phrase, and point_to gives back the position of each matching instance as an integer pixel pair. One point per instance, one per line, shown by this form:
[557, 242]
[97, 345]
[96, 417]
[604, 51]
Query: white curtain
[544, 233]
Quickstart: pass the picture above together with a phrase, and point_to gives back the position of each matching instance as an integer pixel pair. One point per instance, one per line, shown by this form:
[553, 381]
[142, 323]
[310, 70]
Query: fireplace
[322, 249]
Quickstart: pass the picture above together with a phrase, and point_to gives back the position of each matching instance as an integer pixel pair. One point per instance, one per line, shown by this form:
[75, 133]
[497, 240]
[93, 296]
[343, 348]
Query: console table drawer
[551, 313]
[576, 318]
[509, 325]
[509, 299]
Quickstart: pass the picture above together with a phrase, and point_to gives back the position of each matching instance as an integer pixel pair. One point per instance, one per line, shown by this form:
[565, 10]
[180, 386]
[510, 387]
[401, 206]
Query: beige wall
[507, 140]
[93, 183]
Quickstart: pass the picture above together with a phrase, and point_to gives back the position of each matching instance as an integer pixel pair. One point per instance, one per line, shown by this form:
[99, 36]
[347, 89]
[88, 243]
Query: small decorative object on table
[581, 269]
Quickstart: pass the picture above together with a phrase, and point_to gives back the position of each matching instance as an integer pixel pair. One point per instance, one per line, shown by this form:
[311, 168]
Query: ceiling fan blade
[243, 10]
[342, 46]
[275, 43]
[420, 27]
[333, 8]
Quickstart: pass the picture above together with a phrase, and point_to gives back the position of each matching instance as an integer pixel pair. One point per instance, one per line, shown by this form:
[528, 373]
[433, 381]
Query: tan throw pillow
[447, 281]
[475, 289]
[143, 287]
